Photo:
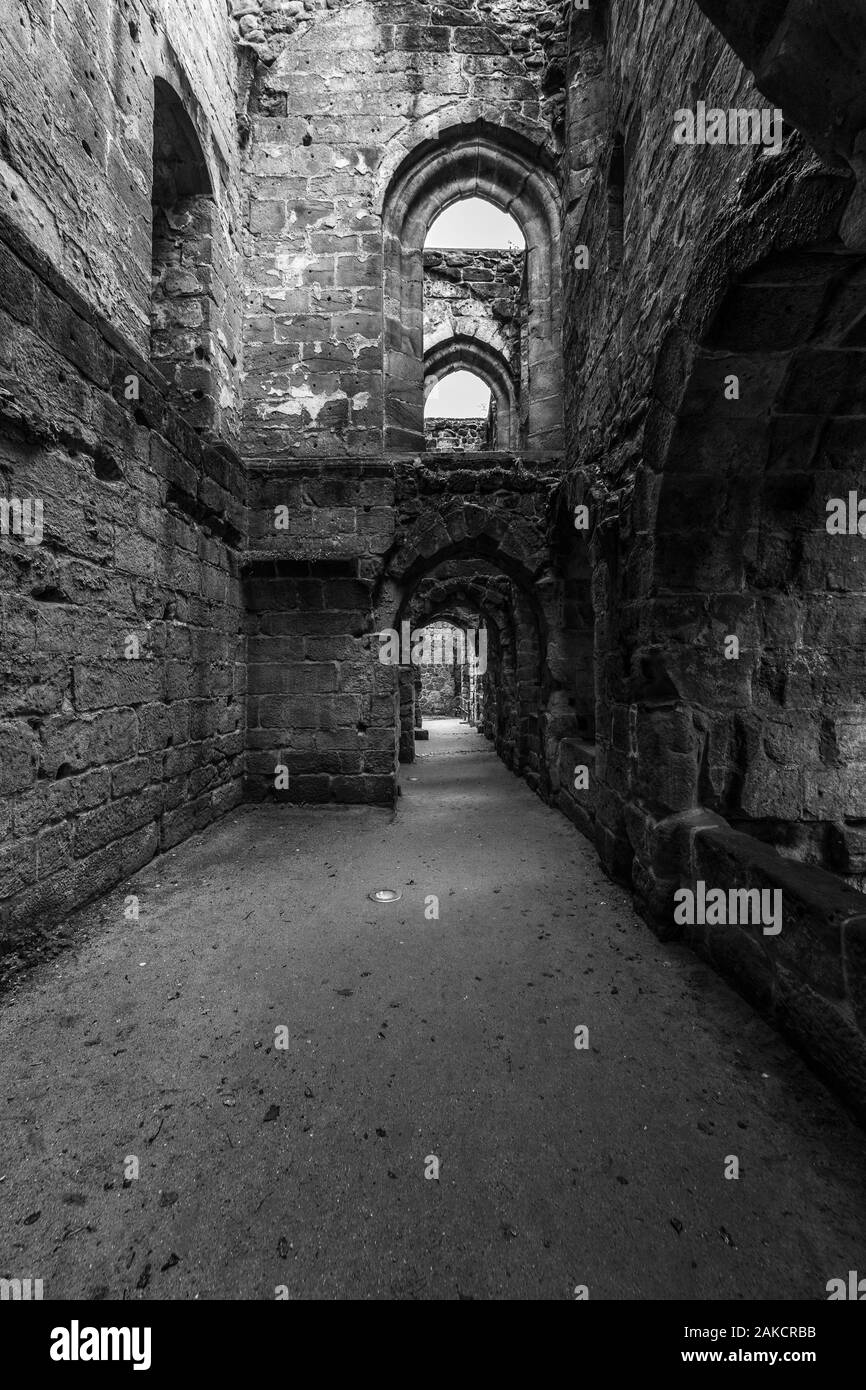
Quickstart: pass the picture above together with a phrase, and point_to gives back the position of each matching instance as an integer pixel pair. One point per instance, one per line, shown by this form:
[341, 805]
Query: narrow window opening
[182, 302]
[458, 413]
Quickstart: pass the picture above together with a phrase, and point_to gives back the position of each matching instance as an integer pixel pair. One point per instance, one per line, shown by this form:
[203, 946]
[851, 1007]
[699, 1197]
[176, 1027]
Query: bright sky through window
[475, 224]
[459, 396]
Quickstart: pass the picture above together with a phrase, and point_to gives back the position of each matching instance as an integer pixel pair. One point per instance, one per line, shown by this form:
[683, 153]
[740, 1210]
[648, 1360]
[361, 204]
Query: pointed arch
[475, 355]
[472, 160]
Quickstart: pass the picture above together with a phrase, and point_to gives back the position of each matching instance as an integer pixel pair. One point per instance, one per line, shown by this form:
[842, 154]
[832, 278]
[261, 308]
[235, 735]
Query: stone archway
[491, 522]
[476, 355]
[478, 583]
[477, 593]
[768, 431]
[643, 718]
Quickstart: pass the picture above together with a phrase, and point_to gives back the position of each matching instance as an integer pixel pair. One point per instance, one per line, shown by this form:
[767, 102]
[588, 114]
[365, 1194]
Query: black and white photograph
[432, 670]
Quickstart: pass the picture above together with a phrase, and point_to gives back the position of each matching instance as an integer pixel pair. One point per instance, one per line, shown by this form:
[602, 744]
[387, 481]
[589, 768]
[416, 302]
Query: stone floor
[304, 1169]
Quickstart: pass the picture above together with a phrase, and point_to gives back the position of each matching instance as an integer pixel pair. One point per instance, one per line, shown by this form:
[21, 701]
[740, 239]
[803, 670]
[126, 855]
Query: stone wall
[668, 694]
[681, 204]
[448, 435]
[76, 155]
[355, 88]
[474, 295]
[705, 454]
[123, 671]
[441, 682]
[321, 705]
[122, 722]
[788, 46]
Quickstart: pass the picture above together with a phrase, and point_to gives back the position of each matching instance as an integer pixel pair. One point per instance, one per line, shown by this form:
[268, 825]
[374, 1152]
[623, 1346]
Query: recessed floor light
[385, 895]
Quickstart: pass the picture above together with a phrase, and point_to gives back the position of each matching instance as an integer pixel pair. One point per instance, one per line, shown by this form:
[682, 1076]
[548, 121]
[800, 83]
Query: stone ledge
[811, 979]
[205, 477]
[263, 564]
[387, 463]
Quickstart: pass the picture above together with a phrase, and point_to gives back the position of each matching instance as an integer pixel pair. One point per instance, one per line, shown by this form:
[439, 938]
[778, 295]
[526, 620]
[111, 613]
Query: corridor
[440, 1027]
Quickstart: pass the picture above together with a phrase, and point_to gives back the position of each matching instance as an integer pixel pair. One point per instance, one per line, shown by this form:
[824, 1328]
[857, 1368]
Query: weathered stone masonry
[121, 647]
[122, 665]
[217, 327]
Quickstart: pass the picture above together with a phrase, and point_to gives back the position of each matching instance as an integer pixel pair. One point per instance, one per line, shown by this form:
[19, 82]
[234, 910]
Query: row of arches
[619, 642]
[765, 433]
[498, 571]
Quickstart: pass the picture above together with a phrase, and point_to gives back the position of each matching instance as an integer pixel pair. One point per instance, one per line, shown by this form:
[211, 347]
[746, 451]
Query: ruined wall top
[76, 134]
[344, 97]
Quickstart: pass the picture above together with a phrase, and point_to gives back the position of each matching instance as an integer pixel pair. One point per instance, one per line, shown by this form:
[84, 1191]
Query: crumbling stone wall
[353, 90]
[330, 124]
[122, 721]
[469, 294]
[123, 673]
[76, 150]
[735, 202]
[448, 435]
[695, 446]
